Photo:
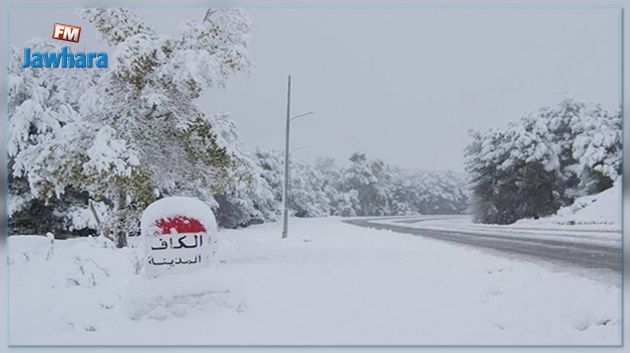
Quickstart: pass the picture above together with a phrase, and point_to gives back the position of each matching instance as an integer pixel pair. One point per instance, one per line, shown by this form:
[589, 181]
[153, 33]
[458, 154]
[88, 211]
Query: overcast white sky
[402, 84]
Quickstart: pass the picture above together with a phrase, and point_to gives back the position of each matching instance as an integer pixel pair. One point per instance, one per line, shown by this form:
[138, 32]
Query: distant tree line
[543, 161]
[363, 188]
[254, 193]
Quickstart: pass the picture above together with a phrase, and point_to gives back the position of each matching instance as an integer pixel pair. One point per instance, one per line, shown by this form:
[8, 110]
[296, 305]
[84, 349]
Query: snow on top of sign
[174, 210]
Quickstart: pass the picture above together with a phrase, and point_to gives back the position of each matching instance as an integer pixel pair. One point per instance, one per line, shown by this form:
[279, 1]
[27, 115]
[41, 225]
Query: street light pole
[285, 185]
[287, 152]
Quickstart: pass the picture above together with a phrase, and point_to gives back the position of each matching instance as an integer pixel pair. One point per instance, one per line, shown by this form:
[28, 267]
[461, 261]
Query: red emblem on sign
[180, 224]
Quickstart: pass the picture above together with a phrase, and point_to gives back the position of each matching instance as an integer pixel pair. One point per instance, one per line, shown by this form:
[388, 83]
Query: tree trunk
[120, 225]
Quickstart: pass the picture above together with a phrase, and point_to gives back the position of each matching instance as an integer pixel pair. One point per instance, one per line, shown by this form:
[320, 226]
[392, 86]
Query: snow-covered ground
[601, 210]
[330, 283]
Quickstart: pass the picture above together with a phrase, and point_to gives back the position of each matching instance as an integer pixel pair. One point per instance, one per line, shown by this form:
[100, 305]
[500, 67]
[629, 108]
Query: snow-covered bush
[543, 161]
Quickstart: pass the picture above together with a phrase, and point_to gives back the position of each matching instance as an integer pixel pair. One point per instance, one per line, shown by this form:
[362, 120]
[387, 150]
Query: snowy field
[330, 283]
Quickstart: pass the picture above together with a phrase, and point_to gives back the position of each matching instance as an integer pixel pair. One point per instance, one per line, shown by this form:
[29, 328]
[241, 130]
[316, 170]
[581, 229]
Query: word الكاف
[180, 243]
[64, 59]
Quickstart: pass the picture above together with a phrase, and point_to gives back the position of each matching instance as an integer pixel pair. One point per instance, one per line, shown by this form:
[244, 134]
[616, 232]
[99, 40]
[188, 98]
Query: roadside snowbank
[599, 209]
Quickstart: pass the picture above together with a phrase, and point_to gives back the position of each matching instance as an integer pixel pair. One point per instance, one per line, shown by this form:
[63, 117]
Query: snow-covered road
[588, 248]
[329, 283]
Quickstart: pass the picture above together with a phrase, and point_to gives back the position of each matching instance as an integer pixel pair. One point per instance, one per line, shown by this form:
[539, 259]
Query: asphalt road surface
[584, 255]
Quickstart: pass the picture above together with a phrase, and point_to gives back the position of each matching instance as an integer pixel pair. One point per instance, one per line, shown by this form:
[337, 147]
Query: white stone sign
[178, 235]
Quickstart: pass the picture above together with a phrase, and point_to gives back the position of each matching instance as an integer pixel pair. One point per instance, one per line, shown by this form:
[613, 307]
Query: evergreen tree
[245, 196]
[131, 133]
[542, 162]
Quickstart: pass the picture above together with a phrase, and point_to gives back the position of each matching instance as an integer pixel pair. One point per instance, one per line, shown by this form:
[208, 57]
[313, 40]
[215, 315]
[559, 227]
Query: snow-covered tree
[597, 149]
[43, 108]
[368, 178]
[131, 133]
[307, 186]
[246, 196]
[543, 161]
[308, 196]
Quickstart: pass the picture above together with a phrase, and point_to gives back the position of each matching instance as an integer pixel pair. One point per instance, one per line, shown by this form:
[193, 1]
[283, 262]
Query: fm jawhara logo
[65, 58]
